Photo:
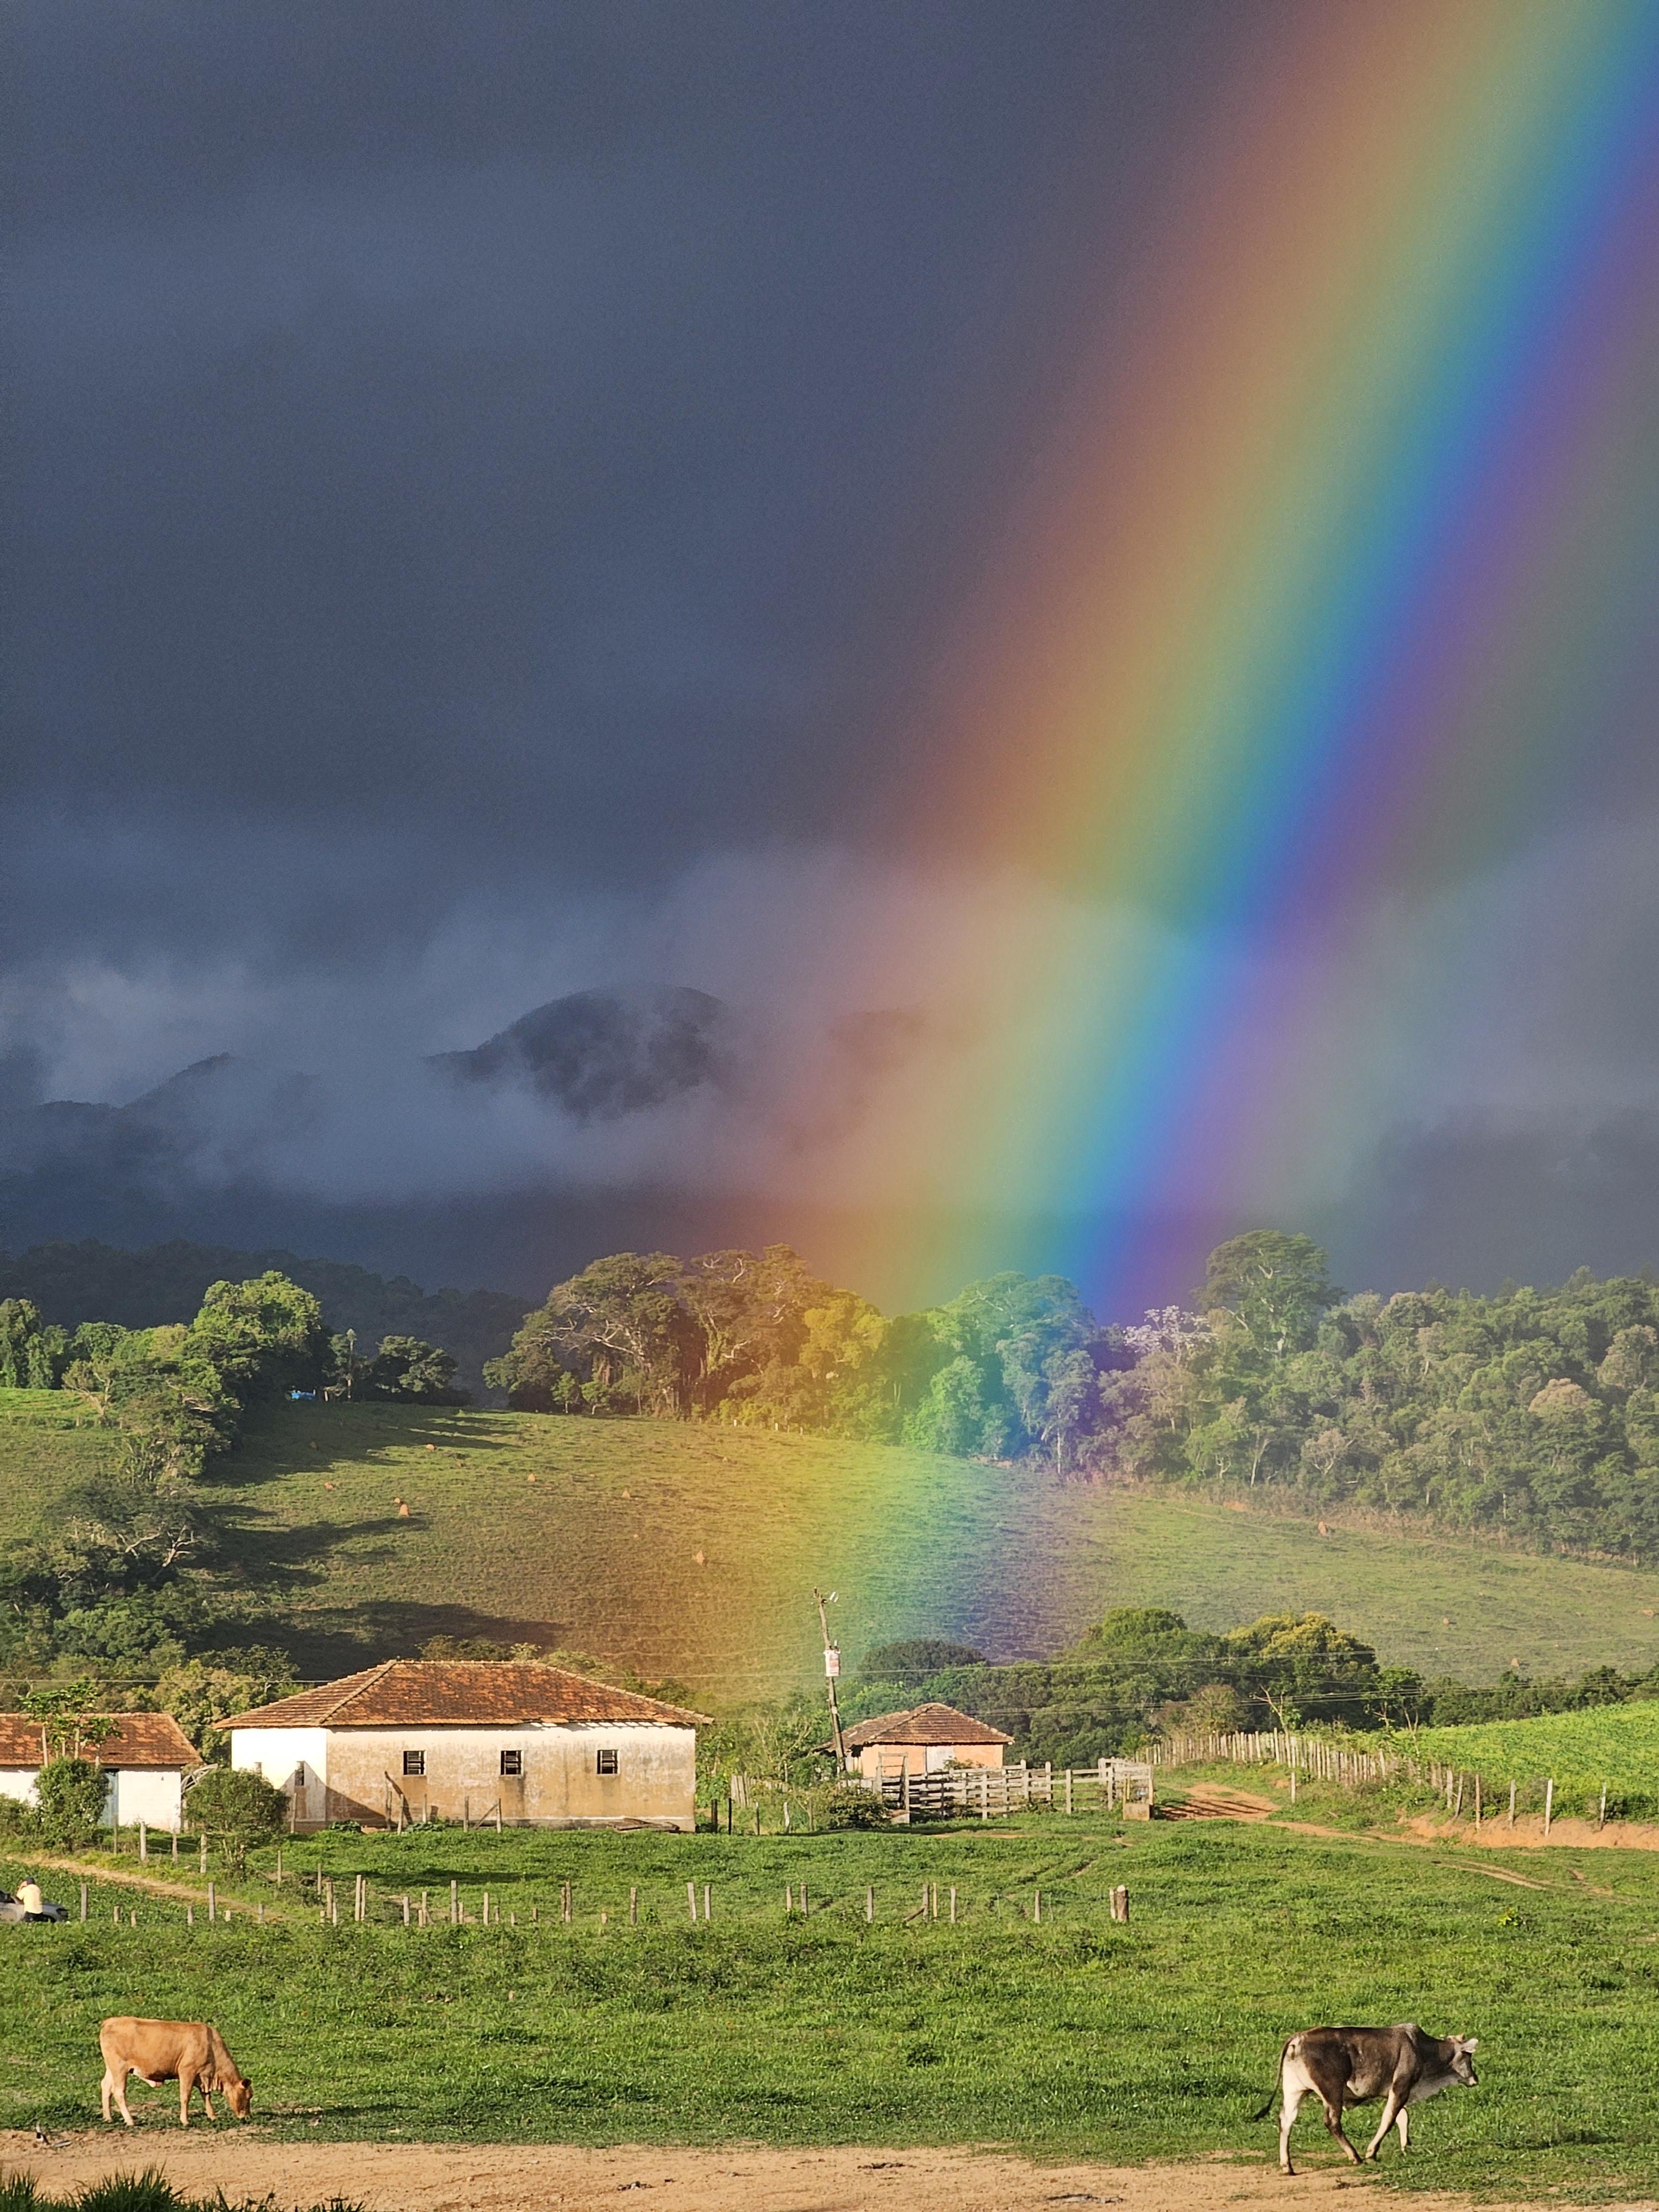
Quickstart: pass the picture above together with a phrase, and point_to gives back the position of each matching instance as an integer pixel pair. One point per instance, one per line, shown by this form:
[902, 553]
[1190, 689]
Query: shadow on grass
[323, 1645]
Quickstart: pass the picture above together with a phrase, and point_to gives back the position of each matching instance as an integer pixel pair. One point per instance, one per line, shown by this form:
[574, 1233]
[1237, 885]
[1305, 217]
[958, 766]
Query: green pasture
[1617, 1745]
[1073, 2036]
[600, 1552]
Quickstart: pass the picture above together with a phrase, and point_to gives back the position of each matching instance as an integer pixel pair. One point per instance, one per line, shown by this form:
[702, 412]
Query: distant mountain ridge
[90, 1281]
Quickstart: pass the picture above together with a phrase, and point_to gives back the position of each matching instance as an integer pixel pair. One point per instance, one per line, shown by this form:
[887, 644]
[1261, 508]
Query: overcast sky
[494, 454]
[488, 484]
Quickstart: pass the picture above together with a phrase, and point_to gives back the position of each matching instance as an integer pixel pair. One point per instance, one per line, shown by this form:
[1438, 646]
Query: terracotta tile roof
[922, 1724]
[459, 1693]
[140, 1740]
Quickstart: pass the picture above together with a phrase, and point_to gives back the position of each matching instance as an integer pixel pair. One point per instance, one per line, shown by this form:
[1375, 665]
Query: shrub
[848, 1805]
[239, 1806]
[69, 1796]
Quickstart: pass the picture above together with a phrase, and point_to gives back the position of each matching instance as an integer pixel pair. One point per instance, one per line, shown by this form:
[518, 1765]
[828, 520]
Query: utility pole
[832, 1669]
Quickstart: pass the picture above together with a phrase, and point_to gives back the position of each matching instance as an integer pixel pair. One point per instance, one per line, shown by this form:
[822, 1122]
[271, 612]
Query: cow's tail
[1273, 2100]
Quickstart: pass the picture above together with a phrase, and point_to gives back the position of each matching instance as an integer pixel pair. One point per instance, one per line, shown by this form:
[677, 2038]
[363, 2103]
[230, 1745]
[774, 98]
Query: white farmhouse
[145, 1761]
[480, 1740]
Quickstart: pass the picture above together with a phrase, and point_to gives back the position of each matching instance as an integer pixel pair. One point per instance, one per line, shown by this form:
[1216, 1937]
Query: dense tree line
[1533, 1412]
[1014, 1366]
[1141, 1671]
[69, 1282]
[1530, 1412]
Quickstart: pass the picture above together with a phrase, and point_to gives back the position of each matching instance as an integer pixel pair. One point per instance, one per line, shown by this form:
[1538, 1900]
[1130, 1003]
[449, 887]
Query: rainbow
[1328, 572]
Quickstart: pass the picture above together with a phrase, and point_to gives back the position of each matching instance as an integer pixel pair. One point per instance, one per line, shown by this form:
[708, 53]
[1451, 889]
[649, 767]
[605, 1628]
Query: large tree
[1278, 1285]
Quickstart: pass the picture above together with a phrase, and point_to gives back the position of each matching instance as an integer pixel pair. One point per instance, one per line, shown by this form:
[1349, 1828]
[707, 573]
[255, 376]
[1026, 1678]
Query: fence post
[1549, 1803]
[143, 1842]
[1602, 1816]
[1511, 1804]
[953, 1905]
[83, 1900]
[1068, 1789]
[486, 1910]
[1120, 1903]
[706, 1897]
[869, 1904]
[204, 1843]
[213, 1902]
[633, 1906]
[454, 1904]
[405, 1910]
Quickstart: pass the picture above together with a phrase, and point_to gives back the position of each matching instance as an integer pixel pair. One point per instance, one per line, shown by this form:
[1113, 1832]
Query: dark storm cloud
[485, 484]
[523, 432]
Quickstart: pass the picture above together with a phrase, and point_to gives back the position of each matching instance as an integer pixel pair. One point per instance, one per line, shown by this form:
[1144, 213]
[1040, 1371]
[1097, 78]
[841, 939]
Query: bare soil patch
[538, 2176]
[1527, 1834]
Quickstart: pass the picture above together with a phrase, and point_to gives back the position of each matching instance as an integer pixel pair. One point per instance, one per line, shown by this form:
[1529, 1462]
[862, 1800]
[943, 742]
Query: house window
[604, 1762]
[512, 1762]
[414, 1762]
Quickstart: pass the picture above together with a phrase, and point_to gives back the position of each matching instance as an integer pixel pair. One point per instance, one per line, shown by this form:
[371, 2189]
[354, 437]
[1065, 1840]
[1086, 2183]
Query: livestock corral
[949, 1984]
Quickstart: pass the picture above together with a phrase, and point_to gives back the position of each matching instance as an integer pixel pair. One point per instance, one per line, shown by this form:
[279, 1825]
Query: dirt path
[154, 1885]
[1217, 1801]
[535, 2178]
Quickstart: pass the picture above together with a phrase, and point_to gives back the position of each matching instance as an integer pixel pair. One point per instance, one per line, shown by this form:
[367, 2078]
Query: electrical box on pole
[831, 1671]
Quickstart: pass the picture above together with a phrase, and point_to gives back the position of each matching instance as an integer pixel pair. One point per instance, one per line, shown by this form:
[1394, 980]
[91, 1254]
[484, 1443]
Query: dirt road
[537, 2177]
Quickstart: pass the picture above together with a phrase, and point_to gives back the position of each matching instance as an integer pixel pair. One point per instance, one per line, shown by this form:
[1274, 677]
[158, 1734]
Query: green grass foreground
[1075, 2037]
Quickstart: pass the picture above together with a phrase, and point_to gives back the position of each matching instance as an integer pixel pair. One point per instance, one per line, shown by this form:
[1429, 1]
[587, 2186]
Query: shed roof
[141, 1739]
[931, 1723]
[459, 1693]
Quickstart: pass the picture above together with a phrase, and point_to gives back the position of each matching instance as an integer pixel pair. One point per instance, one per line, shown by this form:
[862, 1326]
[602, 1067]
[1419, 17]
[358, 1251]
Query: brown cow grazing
[191, 2051]
[1344, 2066]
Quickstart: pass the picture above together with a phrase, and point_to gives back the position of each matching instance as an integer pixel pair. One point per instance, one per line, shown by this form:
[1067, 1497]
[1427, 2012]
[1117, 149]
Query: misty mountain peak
[602, 1054]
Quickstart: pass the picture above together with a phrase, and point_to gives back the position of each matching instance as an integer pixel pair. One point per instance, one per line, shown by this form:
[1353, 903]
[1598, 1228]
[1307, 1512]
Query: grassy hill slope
[599, 1552]
[1614, 1745]
[586, 1534]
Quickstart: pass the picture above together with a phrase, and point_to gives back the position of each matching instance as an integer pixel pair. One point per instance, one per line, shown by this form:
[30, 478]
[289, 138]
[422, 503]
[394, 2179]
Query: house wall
[152, 1794]
[876, 1760]
[362, 1776]
[295, 1761]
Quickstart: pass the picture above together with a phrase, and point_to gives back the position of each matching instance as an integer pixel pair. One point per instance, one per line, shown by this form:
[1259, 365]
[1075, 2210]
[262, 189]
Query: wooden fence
[994, 1792]
[1461, 1789]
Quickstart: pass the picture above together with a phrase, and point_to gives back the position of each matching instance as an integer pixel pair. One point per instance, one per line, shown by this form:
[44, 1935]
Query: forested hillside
[89, 1281]
[1531, 1411]
[1534, 1414]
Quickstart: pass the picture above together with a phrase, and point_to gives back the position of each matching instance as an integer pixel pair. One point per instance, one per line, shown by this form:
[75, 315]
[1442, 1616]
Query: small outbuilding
[920, 1740]
[145, 1758]
[475, 1740]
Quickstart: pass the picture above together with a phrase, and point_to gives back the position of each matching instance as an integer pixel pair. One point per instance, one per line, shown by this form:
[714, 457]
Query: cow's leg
[1294, 2091]
[115, 2085]
[1404, 2123]
[207, 2101]
[1393, 2107]
[186, 2083]
[1334, 2122]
